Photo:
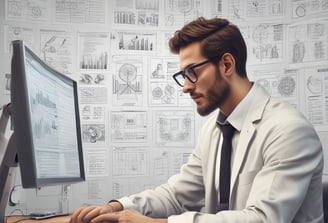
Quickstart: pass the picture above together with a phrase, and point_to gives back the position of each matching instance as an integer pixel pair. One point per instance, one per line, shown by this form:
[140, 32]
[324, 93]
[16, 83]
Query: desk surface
[26, 219]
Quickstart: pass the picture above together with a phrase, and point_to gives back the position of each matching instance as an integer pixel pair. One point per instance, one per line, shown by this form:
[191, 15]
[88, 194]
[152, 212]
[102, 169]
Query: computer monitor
[46, 123]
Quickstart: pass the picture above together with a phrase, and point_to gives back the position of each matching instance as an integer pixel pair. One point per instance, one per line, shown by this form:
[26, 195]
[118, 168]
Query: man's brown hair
[217, 36]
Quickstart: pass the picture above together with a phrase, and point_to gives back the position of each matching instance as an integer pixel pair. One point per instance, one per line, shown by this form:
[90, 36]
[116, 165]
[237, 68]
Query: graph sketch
[94, 50]
[134, 41]
[129, 126]
[136, 12]
[174, 128]
[216, 8]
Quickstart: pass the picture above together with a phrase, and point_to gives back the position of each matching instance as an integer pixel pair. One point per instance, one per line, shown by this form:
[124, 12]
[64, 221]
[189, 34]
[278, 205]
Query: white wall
[287, 44]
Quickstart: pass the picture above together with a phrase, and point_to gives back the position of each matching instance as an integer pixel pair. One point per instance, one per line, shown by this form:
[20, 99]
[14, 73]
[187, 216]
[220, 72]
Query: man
[276, 161]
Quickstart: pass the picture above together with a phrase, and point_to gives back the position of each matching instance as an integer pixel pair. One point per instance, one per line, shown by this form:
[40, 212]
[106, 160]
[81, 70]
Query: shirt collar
[238, 115]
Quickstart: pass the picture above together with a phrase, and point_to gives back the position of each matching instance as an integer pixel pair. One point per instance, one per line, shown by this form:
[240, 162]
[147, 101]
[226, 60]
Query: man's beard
[216, 96]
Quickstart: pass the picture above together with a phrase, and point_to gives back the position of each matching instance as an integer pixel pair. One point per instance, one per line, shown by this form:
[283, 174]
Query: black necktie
[225, 165]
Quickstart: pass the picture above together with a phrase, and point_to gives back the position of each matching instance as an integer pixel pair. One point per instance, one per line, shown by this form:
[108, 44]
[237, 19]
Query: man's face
[211, 89]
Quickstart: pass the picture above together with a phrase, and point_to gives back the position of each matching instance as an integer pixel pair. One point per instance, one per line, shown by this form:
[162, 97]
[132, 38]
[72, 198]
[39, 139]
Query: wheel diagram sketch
[127, 85]
[286, 86]
[179, 12]
[163, 94]
[127, 80]
[280, 83]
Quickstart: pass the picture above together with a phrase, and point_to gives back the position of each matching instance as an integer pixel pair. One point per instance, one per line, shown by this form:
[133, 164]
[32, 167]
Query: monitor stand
[8, 162]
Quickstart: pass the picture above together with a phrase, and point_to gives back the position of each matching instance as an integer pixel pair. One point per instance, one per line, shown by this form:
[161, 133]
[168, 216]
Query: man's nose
[188, 86]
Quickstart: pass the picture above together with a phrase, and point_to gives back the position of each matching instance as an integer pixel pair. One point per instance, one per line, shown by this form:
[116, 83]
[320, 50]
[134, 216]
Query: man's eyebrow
[188, 66]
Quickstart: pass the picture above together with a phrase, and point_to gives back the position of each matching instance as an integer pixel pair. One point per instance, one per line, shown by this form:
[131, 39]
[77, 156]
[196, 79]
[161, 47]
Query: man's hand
[86, 214]
[99, 214]
[126, 216]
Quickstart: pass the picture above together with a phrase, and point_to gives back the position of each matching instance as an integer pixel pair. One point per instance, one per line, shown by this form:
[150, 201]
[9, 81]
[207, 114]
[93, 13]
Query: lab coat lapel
[243, 145]
[247, 132]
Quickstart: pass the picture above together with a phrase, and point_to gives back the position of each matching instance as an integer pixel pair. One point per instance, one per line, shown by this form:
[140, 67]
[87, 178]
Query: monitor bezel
[21, 114]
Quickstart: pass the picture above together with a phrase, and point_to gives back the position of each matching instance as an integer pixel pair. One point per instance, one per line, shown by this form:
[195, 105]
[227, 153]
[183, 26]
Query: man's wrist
[115, 206]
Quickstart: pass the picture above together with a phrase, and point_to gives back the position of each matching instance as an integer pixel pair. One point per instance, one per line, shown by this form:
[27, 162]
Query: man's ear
[228, 63]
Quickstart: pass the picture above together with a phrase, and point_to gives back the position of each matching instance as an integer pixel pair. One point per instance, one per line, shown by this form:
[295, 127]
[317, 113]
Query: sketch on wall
[216, 8]
[93, 133]
[127, 81]
[18, 33]
[93, 95]
[265, 42]
[174, 128]
[308, 42]
[92, 113]
[134, 41]
[316, 80]
[96, 163]
[136, 12]
[33, 10]
[163, 91]
[129, 126]
[83, 11]
[240, 10]
[177, 12]
[56, 49]
[130, 162]
[94, 51]
[303, 8]
[93, 78]
[280, 83]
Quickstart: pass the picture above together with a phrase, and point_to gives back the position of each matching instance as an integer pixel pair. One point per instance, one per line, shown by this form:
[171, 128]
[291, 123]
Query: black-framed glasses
[190, 73]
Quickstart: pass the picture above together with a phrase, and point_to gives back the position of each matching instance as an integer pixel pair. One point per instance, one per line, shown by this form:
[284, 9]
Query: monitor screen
[45, 116]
